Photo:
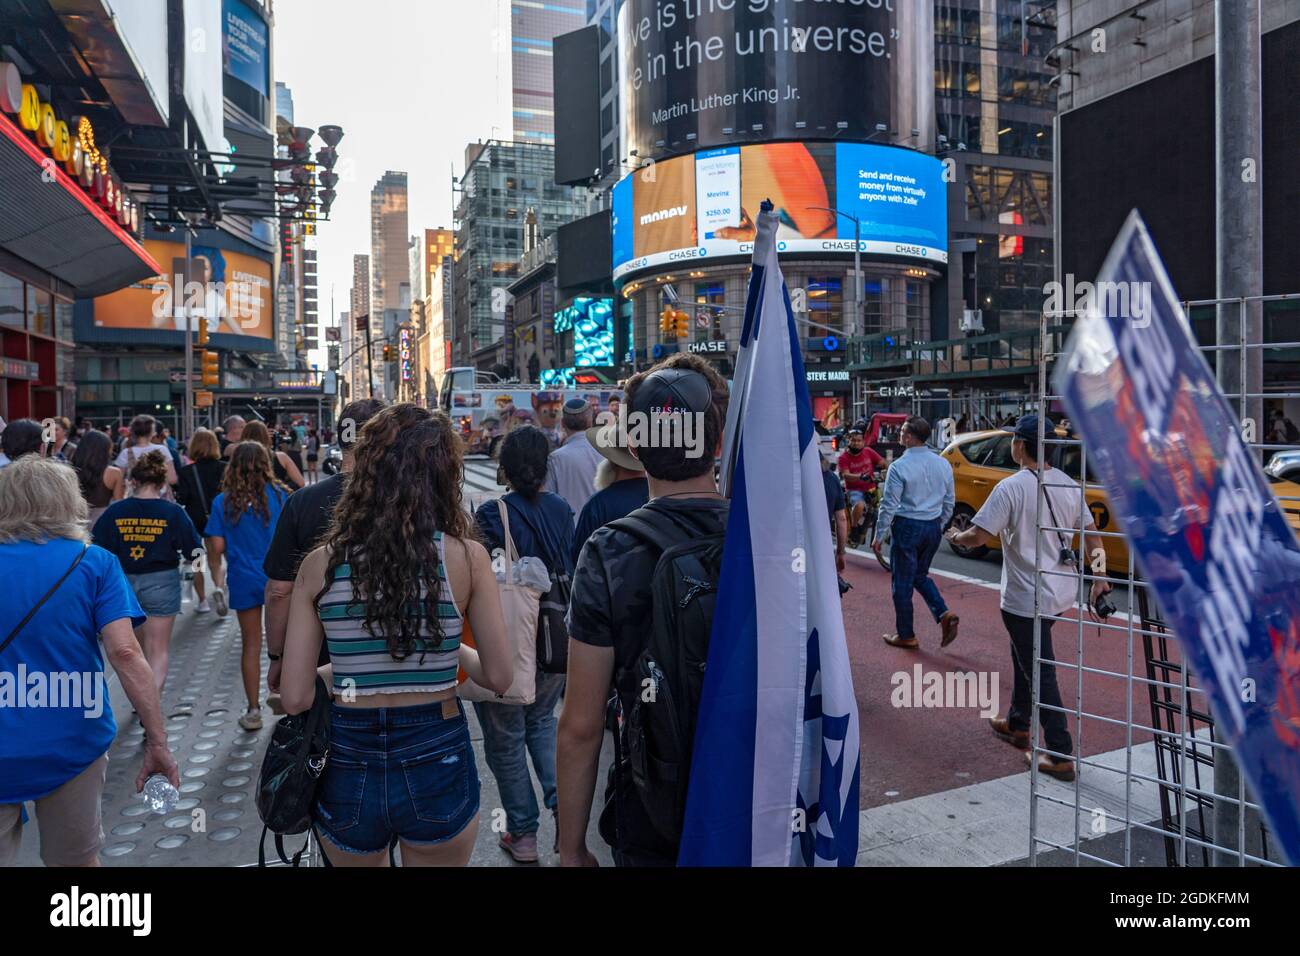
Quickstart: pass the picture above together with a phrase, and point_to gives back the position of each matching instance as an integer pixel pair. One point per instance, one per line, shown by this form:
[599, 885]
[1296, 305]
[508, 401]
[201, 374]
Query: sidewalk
[216, 822]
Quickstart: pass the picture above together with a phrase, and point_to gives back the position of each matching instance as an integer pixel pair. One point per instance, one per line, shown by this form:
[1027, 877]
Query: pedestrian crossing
[480, 482]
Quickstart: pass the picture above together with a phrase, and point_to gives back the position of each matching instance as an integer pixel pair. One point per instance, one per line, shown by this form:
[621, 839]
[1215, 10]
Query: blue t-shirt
[247, 541]
[609, 504]
[541, 528]
[55, 717]
[147, 534]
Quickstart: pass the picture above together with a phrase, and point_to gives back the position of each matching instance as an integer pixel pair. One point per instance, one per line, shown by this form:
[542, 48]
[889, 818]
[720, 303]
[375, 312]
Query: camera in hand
[1103, 606]
[1068, 557]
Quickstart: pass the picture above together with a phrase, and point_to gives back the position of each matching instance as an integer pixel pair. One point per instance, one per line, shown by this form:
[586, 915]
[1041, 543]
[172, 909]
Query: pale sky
[411, 82]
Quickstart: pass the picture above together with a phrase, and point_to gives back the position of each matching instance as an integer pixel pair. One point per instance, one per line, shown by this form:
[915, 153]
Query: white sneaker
[220, 603]
[204, 607]
[252, 720]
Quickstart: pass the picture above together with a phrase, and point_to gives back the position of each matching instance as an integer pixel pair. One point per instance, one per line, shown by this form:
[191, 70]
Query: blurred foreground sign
[1204, 526]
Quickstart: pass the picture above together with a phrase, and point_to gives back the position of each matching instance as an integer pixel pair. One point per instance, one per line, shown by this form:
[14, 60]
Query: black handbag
[291, 772]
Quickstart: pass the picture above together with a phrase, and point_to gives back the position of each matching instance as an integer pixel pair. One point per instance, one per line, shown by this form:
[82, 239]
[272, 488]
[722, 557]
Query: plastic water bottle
[159, 795]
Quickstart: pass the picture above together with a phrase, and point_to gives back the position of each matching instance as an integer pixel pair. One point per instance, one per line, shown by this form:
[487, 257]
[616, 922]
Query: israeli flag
[774, 776]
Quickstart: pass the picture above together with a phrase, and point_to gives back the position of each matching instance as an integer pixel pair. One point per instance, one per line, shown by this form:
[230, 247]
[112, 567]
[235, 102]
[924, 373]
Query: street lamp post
[859, 315]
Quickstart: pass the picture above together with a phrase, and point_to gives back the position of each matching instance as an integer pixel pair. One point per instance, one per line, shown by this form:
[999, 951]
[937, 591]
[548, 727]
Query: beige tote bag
[520, 606]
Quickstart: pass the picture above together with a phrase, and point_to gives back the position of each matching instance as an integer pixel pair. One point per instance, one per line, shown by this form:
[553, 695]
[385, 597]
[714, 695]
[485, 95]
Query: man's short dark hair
[579, 421]
[360, 412]
[673, 464]
[918, 428]
[23, 437]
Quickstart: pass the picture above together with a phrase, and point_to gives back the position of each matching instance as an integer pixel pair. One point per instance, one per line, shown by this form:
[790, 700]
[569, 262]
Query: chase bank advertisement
[704, 207]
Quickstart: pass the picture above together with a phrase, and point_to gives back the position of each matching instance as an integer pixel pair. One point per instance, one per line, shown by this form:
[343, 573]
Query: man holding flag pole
[736, 636]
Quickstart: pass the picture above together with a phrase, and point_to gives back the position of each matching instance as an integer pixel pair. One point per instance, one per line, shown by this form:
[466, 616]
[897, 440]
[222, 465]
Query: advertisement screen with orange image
[230, 289]
[663, 206]
[799, 178]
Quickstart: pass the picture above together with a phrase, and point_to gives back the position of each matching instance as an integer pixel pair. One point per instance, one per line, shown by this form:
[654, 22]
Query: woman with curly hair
[397, 579]
[240, 526]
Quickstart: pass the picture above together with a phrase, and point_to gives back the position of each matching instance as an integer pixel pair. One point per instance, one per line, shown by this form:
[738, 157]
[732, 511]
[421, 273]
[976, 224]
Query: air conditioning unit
[972, 320]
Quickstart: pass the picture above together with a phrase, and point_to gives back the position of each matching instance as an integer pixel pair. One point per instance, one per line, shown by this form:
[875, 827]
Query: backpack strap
[650, 532]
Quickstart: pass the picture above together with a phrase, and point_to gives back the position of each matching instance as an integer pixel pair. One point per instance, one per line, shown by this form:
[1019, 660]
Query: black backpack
[295, 761]
[662, 687]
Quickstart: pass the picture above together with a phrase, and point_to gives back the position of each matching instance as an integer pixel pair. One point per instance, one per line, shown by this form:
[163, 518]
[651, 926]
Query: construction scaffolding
[1157, 791]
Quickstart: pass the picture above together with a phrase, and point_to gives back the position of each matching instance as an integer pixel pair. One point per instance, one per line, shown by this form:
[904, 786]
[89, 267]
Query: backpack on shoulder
[665, 681]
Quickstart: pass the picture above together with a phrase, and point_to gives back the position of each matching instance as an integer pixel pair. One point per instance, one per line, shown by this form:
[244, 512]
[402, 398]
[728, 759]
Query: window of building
[13, 311]
[826, 301]
[708, 322]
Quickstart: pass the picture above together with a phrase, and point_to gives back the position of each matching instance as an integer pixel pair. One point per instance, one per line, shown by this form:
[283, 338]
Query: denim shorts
[159, 592]
[857, 497]
[397, 773]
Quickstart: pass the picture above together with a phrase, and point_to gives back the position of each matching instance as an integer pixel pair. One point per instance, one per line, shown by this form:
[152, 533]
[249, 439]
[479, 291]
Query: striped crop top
[365, 660]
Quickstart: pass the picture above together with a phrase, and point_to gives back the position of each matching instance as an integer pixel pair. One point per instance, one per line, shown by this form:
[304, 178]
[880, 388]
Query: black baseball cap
[576, 406]
[1026, 428]
[673, 390]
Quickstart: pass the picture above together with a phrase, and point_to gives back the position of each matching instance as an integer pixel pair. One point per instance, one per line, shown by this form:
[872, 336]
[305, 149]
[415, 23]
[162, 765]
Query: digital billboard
[232, 290]
[592, 322]
[697, 74]
[703, 207]
[245, 42]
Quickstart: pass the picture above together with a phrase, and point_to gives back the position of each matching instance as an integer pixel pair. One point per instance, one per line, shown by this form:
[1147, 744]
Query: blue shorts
[159, 592]
[857, 498]
[397, 772]
[245, 591]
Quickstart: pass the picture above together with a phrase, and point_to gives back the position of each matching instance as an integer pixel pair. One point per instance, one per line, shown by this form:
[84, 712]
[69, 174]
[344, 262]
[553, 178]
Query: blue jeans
[914, 547]
[405, 772]
[510, 734]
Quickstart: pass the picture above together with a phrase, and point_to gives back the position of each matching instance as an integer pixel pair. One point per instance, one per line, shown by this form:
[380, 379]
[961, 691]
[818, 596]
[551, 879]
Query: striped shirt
[366, 662]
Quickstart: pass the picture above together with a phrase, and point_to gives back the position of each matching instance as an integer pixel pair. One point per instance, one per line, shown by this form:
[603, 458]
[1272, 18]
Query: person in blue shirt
[149, 537]
[63, 596]
[541, 525]
[916, 506]
[240, 528]
[621, 487]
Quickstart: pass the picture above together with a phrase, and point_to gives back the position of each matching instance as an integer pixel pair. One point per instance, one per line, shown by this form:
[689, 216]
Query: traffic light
[388, 353]
[682, 324]
[203, 331]
[666, 321]
[209, 370]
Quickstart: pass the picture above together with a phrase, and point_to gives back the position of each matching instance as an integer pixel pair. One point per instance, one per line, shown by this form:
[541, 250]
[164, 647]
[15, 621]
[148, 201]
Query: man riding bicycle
[858, 467]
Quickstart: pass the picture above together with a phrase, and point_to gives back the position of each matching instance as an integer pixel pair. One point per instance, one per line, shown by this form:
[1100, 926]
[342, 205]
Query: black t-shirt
[305, 519]
[610, 606]
[147, 534]
[834, 494]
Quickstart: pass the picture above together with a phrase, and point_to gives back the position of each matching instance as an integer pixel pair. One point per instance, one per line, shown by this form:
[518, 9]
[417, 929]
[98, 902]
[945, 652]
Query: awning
[55, 226]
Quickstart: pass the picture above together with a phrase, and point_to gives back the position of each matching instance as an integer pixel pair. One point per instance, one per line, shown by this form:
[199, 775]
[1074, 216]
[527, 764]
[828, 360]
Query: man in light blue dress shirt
[916, 506]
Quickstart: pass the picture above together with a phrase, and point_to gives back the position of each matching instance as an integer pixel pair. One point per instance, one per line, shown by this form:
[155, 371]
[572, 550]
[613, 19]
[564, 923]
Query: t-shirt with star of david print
[147, 534]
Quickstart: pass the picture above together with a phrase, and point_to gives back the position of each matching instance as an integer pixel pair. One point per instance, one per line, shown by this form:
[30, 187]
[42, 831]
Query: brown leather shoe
[1017, 738]
[948, 627]
[908, 643]
[1062, 770]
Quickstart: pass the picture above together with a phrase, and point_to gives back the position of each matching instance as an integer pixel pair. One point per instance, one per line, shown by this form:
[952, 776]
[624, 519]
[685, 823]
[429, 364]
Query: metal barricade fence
[1151, 797]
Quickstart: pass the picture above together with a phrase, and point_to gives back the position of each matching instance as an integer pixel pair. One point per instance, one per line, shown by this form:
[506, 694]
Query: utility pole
[1239, 276]
[182, 295]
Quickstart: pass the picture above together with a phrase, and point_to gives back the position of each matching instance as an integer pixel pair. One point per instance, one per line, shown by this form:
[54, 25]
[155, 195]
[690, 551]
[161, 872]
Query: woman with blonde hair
[286, 472]
[63, 597]
[397, 580]
[198, 486]
[240, 527]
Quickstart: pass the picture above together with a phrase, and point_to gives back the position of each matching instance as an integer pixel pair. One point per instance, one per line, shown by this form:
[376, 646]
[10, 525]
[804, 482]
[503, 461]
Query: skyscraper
[525, 61]
[360, 302]
[388, 263]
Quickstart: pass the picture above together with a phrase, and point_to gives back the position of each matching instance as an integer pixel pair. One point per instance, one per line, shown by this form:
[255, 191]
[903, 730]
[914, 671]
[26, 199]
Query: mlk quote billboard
[700, 74]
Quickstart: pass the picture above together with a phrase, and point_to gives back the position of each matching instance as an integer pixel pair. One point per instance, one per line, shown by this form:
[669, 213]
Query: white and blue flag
[774, 774]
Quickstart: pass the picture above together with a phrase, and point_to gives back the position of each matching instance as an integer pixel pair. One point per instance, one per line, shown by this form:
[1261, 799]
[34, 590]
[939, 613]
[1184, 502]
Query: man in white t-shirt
[1010, 517]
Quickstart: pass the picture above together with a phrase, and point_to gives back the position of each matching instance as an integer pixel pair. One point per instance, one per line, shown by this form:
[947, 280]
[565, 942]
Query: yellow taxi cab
[980, 460]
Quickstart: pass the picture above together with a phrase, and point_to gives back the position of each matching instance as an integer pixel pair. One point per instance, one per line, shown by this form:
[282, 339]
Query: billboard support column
[1240, 276]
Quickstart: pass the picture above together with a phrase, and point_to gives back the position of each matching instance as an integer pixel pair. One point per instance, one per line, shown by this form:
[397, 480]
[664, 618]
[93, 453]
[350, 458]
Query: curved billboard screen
[693, 209]
[703, 73]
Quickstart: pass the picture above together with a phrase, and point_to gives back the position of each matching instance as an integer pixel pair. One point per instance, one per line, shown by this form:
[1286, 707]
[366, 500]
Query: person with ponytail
[541, 525]
[390, 591]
